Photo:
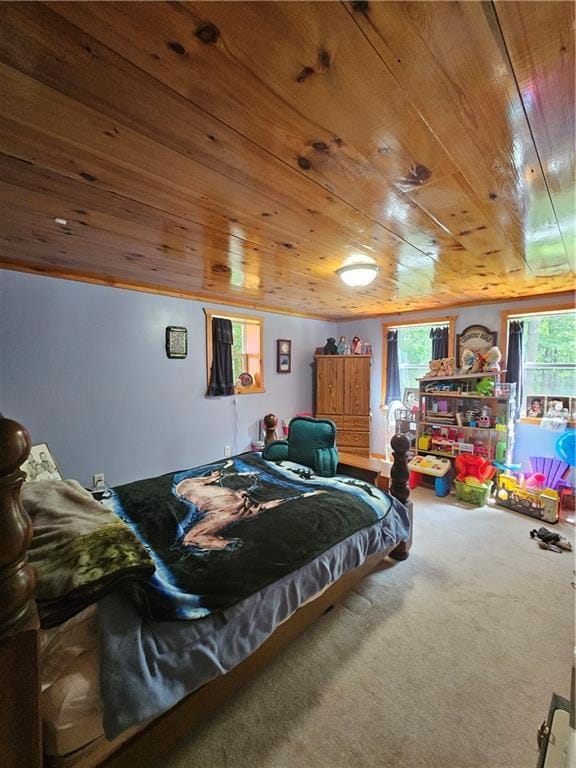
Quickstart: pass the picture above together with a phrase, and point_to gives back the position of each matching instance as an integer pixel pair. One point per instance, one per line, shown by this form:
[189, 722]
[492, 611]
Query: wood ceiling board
[231, 121]
[540, 40]
[45, 46]
[336, 165]
[452, 62]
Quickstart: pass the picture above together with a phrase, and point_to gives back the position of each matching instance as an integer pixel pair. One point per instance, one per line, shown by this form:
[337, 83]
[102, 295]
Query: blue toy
[566, 447]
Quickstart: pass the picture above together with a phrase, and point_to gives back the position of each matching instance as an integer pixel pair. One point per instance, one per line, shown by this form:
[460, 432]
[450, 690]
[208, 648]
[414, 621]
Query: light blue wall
[528, 436]
[83, 367]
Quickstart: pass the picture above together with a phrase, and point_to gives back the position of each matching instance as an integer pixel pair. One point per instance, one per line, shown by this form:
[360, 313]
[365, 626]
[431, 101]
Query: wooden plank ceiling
[239, 151]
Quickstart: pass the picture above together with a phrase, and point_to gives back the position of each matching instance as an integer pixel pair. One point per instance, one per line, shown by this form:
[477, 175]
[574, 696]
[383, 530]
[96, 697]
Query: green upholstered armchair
[311, 442]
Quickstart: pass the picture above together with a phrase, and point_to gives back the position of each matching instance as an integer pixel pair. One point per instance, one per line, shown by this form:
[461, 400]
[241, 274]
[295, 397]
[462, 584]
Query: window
[548, 353]
[414, 350]
[247, 359]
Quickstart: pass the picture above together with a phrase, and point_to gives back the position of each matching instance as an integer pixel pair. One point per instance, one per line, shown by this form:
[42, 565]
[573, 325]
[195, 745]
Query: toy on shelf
[485, 387]
[474, 361]
[330, 347]
[343, 348]
[356, 347]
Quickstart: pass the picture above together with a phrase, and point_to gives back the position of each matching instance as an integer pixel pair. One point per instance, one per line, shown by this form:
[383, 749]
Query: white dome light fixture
[358, 270]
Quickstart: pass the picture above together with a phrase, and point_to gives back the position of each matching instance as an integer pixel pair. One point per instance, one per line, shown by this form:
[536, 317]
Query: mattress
[70, 685]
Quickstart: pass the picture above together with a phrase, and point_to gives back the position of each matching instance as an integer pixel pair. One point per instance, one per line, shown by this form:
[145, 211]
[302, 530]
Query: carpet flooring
[446, 660]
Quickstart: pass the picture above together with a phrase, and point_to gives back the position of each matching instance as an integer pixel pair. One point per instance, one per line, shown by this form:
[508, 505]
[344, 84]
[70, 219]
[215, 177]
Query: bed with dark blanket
[194, 570]
[221, 532]
[239, 545]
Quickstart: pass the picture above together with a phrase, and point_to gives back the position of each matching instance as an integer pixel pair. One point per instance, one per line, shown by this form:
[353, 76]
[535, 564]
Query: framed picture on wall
[176, 341]
[41, 465]
[283, 356]
[535, 406]
[478, 338]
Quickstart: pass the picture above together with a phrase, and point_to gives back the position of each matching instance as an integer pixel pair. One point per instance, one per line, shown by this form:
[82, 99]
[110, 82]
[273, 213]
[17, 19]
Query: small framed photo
[283, 356]
[176, 341]
[535, 406]
[410, 398]
[41, 465]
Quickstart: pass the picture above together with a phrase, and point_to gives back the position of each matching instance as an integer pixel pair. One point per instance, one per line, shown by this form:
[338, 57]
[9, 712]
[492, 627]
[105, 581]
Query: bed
[273, 550]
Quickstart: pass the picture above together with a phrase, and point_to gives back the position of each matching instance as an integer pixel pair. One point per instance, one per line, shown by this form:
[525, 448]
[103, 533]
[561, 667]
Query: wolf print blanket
[221, 532]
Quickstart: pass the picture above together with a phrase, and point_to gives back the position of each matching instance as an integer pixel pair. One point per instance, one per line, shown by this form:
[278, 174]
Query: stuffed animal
[485, 387]
[435, 368]
[330, 347]
[448, 365]
[343, 346]
[356, 345]
[470, 361]
[492, 360]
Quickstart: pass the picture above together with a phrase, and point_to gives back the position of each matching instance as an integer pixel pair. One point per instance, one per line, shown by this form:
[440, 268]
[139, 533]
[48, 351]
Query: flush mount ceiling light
[358, 270]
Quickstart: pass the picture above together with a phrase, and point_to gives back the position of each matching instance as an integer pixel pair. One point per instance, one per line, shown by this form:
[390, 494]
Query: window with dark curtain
[439, 338]
[221, 376]
[392, 372]
[514, 366]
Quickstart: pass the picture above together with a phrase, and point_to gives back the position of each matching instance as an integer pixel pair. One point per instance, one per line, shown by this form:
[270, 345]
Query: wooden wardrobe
[343, 395]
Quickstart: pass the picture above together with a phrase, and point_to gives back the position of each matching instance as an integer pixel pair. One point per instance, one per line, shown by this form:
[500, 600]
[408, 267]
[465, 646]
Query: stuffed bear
[343, 346]
[330, 347]
[434, 369]
[448, 365]
[492, 360]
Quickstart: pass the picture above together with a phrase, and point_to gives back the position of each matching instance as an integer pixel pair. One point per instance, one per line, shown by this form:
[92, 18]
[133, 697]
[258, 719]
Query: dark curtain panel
[514, 369]
[392, 372]
[439, 338]
[221, 376]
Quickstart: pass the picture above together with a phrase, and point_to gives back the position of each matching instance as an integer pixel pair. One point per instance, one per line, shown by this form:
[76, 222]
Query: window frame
[444, 319]
[235, 317]
[512, 314]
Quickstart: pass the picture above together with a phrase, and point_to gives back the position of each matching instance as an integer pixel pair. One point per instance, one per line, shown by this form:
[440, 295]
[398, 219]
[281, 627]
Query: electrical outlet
[98, 479]
[227, 451]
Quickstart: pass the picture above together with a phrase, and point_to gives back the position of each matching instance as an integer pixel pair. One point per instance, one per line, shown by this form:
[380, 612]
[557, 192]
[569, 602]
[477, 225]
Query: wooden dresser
[343, 395]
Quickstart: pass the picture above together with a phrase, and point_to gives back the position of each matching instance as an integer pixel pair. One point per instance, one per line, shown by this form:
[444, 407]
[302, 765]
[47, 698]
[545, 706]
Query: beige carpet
[447, 660]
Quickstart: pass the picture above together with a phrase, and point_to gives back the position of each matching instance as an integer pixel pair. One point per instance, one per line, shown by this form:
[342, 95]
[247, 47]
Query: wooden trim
[537, 422]
[19, 715]
[54, 272]
[505, 315]
[450, 319]
[449, 307]
[210, 313]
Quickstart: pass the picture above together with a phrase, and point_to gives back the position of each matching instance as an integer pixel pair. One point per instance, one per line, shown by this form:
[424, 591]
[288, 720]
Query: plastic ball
[566, 447]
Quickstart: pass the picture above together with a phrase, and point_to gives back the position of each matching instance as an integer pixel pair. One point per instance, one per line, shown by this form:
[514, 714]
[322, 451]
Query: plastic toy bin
[472, 494]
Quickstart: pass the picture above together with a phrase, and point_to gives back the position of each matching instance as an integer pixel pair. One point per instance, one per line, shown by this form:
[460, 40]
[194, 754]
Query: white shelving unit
[454, 418]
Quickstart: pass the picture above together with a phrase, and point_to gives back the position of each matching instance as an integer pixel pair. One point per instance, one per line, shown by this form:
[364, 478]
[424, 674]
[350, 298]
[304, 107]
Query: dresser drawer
[359, 439]
[357, 422]
[338, 419]
[354, 449]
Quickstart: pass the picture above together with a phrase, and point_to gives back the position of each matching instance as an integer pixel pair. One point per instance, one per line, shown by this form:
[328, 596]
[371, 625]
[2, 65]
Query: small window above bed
[246, 350]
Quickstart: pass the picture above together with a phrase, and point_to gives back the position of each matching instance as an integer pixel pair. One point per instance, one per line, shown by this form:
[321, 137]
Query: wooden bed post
[19, 681]
[399, 475]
